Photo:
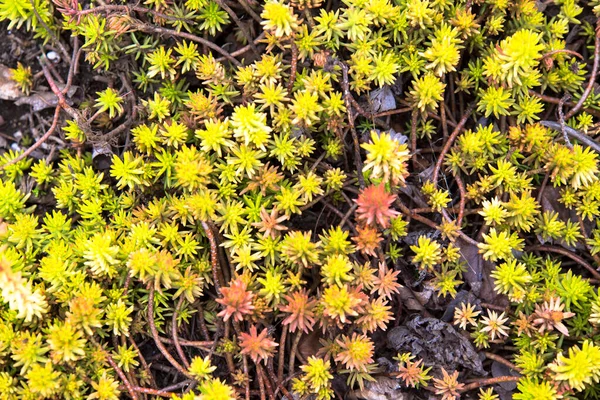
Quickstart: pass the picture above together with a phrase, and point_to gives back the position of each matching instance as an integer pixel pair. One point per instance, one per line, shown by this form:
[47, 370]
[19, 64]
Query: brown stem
[590, 85]
[62, 104]
[543, 187]
[561, 120]
[557, 51]
[293, 66]
[348, 102]
[262, 373]
[429, 113]
[154, 392]
[293, 352]
[176, 337]
[244, 49]
[566, 253]
[501, 360]
[463, 195]
[247, 375]
[164, 31]
[214, 256]
[189, 343]
[409, 213]
[554, 100]
[278, 382]
[261, 386]
[240, 25]
[126, 10]
[585, 235]
[157, 340]
[489, 381]
[280, 365]
[144, 363]
[457, 130]
[392, 112]
[201, 321]
[250, 11]
[61, 47]
[228, 357]
[444, 121]
[342, 216]
[38, 142]
[413, 137]
[493, 307]
[118, 370]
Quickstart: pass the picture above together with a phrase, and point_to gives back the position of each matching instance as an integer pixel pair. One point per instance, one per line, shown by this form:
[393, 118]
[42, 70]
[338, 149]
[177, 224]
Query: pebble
[53, 56]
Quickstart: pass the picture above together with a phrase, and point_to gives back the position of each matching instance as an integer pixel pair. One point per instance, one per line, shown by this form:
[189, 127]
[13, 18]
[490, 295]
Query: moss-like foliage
[250, 192]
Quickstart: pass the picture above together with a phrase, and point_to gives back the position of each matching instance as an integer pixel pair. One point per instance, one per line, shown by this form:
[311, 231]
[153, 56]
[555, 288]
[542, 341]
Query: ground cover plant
[219, 199]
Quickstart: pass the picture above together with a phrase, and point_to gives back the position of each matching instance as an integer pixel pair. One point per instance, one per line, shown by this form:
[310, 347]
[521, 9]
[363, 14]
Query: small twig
[228, 356]
[38, 142]
[413, 137]
[175, 336]
[344, 217]
[501, 360]
[554, 100]
[164, 31]
[444, 120]
[189, 343]
[278, 382]
[574, 133]
[557, 51]
[293, 352]
[280, 365]
[410, 214]
[494, 307]
[543, 187]
[250, 11]
[261, 386]
[240, 25]
[144, 363]
[244, 49]
[214, 256]
[61, 47]
[157, 341]
[348, 215]
[463, 195]
[393, 112]
[348, 101]
[201, 321]
[489, 381]
[457, 130]
[262, 373]
[126, 9]
[118, 370]
[590, 85]
[566, 253]
[154, 392]
[429, 113]
[293, 66]
[561, 119]
[247, 375]
[73, 66]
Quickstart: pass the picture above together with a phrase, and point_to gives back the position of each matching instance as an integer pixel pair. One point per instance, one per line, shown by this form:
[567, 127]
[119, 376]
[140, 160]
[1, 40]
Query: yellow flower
[387, 158]
[581, 367]
[279, 18]
[317, 373]
[427, 253]
[306, 106]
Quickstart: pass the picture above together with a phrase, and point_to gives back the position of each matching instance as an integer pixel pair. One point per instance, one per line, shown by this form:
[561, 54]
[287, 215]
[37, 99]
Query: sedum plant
[247, 179]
